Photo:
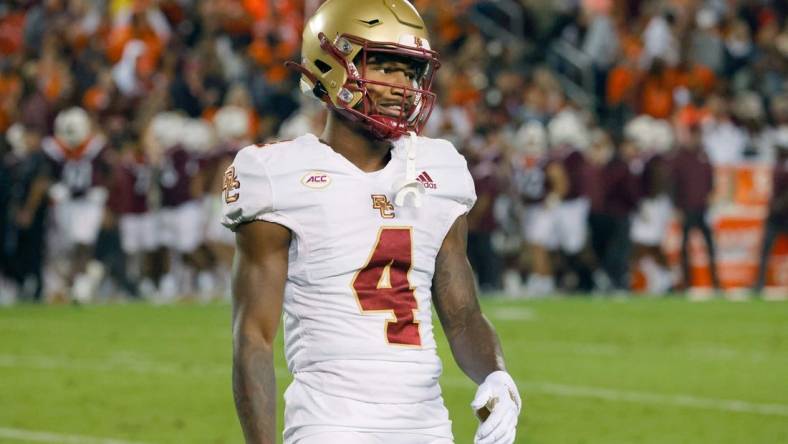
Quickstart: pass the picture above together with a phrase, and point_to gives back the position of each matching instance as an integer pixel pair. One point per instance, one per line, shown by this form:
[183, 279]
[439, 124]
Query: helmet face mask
[379, 96]
[344, 38]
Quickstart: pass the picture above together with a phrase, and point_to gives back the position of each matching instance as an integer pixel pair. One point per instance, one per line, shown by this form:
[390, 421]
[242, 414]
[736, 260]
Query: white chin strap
[409, 186]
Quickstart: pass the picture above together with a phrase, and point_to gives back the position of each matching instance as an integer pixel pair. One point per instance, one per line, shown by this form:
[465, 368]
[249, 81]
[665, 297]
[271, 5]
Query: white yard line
[109, 365]
[38, 436]
[528, 387]
[636, 397]
[678, 400]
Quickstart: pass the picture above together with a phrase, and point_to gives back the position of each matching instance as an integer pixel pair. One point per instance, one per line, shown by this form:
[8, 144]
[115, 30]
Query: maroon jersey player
[182, 217]
[134, 184]
[81, 168]
[540, 184]
[569, 138]
[233, 131]
[655, 140]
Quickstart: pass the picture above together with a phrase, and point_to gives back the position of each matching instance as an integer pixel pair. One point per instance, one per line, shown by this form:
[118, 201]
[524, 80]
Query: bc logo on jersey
[230, 184]
[381, 202]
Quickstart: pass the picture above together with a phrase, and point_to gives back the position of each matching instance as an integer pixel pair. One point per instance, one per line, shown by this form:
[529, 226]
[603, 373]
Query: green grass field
[592, 371]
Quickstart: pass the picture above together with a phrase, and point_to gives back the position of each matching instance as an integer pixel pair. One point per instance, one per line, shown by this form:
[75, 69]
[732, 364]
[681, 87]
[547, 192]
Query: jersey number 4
[383, 286]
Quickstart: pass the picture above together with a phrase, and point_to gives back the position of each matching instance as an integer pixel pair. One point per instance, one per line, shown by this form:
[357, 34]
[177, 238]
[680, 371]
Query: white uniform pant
[312, 416]
[650, 224]
[564, 226]
[371, 438]
[215, 231]
[182, 228]
[79, 220]
[138, 233]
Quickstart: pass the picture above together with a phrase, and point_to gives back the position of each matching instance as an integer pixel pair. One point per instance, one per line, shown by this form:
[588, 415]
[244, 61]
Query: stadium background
[716, 65]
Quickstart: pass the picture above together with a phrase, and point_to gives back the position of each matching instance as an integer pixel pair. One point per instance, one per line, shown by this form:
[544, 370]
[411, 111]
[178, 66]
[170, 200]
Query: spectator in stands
[622, 88]
[693, 182]
[660, 40]
[705, 45]
[777, 220]
[11, 88]
[724, 140]
[739, 48]
[601, 45]
[656, 91]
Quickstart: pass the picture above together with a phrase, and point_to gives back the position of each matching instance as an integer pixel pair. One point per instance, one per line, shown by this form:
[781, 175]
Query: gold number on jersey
[382, 285]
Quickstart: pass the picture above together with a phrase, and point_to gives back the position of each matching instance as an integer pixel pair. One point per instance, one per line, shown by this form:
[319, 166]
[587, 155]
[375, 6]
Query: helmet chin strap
[409, 185]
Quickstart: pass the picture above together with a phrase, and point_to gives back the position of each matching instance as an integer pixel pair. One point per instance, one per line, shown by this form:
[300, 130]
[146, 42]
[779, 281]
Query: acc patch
[316, 180]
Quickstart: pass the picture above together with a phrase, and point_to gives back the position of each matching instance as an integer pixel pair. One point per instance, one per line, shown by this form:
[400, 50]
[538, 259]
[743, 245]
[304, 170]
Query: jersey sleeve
[247, 194]
[463, 191]
[467, 197]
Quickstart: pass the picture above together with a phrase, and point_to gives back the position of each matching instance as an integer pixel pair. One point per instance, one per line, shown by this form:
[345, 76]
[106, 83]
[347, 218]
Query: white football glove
[498, 404]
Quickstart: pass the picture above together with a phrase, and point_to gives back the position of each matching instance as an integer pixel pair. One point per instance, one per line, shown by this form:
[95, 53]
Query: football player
[182, 223]
[650, 224]
[138, 229]
[540, 184]
[160, 138]
[233, 131]
[556, 215]
[354, 236]
[78, 156]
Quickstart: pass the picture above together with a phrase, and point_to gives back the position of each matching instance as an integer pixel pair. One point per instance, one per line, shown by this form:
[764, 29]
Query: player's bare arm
[559, 180]
[259, 276]
[473, 340]
[38, 192]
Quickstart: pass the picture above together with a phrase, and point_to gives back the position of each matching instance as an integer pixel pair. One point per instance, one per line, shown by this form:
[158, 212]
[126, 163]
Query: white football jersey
[357, 303]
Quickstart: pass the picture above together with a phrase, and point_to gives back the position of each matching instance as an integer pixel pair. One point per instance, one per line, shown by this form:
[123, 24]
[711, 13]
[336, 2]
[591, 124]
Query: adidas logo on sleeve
[427, 181]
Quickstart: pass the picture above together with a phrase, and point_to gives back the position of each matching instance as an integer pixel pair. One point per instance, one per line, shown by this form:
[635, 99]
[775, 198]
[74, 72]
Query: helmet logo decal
[371, 23]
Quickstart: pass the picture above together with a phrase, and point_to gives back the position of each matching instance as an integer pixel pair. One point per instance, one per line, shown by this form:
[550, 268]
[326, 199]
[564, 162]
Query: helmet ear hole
[322, 66]
[319, 91]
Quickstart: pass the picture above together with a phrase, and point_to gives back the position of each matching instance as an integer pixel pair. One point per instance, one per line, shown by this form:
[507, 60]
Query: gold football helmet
[337, 41]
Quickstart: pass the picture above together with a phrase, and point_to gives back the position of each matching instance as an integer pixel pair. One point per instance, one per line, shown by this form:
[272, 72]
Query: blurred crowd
[119, 119]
